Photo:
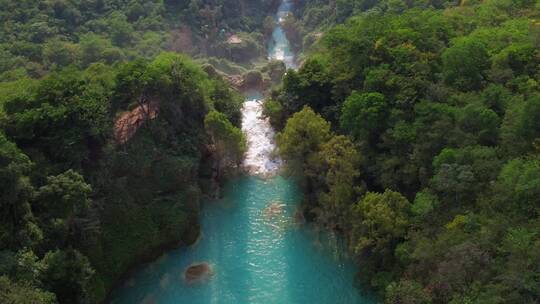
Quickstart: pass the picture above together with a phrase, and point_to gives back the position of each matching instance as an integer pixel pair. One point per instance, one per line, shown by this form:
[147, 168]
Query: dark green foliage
[480, 123]
[274, 111]
[82, 200]
[65, 116]
[21, 294]
[379, 222]
[530, 126]
[364, 115]
[335, 168]
[65, 210]
[517, 187]
[407, 292]
[303, 135]
[66, 273]
[431, 169]
[17, 227]
[328, 166]
[465, 64]
[228, 141]
[227, 101]
[64, 195]
[443, 109]
[311, 84]
[40, 36]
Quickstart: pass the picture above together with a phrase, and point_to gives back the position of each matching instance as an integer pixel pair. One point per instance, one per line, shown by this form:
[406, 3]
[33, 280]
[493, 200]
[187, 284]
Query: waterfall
[260, 138]
[259, 158]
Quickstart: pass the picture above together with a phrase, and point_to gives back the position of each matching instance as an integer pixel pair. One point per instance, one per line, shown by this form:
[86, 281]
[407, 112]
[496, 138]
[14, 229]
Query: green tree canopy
[21, 294]
[364, 115]
[380, 221]
[67, 274]
[17, 227]
[466, 63]
[337, 165]
[228, 140]
[303, 135]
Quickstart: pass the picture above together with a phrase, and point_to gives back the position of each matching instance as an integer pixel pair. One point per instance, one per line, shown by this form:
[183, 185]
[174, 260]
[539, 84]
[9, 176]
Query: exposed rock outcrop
[127, 124]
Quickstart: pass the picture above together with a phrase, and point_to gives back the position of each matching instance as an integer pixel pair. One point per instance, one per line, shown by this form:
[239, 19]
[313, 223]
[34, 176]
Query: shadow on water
[257, 258]
[329, 264]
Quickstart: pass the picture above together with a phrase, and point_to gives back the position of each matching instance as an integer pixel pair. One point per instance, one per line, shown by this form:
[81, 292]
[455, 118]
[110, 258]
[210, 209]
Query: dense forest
[105, 154]
[413, 128]
[102, 168]
[313, 17]
[39, 36]
[416, 133]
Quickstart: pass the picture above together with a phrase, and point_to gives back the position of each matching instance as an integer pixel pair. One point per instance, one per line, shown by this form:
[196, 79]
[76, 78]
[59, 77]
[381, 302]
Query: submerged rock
[198, 272]
[274, 209]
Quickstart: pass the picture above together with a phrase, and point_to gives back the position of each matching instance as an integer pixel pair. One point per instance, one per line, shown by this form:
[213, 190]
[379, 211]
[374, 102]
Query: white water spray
[259, 158]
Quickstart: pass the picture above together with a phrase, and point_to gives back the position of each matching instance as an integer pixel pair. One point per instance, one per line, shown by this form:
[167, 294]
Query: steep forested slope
[417, 135]
[414, 129]
[82, 202]
[104, 150]
[37, 36]
[312, 18]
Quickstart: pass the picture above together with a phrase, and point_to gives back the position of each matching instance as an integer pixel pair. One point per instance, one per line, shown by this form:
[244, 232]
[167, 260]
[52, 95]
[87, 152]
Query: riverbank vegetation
[413, 128]
[415, 133]
[102, 168]
[103, 147]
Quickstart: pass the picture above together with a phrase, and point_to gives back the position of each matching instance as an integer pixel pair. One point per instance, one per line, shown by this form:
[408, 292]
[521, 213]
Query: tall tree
[380, 222]
[364, 115]
[337, 166]
[303, 136]
[228, 141]
[17, 225]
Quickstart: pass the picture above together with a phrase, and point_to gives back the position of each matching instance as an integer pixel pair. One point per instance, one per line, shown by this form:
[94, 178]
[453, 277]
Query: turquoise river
[257, 250]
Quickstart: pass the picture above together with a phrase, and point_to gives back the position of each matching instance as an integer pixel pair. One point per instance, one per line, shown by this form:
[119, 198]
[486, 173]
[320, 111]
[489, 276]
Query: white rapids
[259, 158]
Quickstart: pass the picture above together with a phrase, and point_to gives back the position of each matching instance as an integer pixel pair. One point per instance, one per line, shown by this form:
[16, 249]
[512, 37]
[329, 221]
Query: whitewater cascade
[260, 138]
[260, 158]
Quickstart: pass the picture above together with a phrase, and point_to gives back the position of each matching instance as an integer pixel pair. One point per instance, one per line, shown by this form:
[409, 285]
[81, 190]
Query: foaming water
[258, 252]
[260, 138]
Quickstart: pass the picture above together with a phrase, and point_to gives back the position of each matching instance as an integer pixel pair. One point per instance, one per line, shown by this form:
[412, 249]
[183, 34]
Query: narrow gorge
[252, 239]
[269, 151]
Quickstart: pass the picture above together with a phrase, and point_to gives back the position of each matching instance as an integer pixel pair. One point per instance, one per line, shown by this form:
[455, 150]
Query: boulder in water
[198, 272]
[274, 209]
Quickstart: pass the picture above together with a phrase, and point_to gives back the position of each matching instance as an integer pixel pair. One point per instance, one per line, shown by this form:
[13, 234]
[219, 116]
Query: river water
[258, 252]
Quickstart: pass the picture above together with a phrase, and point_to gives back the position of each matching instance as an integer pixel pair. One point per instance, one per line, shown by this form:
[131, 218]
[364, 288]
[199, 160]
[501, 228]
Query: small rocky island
[198, 272]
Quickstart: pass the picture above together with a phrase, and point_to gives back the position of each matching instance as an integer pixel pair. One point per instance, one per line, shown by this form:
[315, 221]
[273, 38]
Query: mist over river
[257, 250]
